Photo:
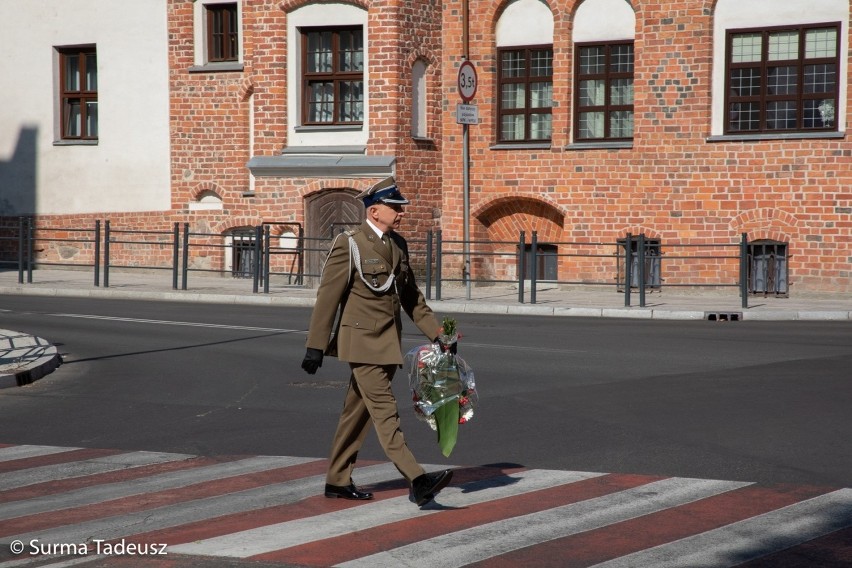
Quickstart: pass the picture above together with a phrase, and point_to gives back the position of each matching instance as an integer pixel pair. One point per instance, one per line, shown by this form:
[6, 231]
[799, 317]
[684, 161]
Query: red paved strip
[606, 543]
[65, 485]
[153, 500]
[358, 544]
[53, 459]
[833, 550]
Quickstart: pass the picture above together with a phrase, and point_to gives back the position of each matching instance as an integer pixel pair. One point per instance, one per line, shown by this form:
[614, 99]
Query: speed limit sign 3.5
[467, 81]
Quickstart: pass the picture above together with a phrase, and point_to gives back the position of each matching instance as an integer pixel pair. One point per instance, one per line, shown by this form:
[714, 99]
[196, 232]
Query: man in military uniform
[367, 278]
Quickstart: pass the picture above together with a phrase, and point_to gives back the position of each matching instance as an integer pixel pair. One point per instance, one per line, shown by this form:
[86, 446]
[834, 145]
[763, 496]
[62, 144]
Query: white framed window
[217, 35]
[524, 38]
[351, 127]
[603, 76]
[776, 71]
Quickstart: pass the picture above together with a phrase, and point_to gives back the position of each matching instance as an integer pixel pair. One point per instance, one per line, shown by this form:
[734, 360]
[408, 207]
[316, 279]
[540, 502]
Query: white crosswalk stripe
[294, 533]
[479, 543]
[745, 540]
[271, 509]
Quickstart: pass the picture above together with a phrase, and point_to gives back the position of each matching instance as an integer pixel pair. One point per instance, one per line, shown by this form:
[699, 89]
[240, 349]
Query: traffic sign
[467, 114]
[467, 81]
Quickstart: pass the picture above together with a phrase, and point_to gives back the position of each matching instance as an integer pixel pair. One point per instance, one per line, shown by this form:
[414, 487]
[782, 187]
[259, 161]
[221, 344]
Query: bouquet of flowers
[442, 387]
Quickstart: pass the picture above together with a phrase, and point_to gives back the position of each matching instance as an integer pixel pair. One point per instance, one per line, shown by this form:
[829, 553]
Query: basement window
[767, 268]
[546, 262]
[653, 278]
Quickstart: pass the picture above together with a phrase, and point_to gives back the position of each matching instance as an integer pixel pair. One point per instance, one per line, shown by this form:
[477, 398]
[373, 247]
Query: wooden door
[326, 215]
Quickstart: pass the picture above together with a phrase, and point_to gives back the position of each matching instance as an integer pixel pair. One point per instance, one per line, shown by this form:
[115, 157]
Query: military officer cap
[386, 191]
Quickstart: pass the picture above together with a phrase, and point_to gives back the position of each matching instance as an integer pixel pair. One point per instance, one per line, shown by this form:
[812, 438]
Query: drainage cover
[723, 316]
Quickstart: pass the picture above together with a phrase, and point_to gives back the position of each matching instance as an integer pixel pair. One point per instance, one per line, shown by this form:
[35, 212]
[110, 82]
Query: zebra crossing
[76, 506]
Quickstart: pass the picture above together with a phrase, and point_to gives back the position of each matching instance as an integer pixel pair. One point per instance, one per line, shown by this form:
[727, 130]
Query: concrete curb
[35, 367]
[457, 306]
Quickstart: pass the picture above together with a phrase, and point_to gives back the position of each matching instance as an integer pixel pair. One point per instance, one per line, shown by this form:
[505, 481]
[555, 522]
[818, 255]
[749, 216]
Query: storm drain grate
[723, 316]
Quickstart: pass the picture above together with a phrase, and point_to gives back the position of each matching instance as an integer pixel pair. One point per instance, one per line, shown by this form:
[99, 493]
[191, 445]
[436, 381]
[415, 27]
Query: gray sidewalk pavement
[24, 358]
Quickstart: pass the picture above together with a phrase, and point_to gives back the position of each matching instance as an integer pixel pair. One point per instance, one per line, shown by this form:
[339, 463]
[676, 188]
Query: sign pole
[466, 155]
[466, 114]
[466, 180]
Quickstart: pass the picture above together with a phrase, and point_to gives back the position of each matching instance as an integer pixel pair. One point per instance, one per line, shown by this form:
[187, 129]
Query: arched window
[603, 92]
[418, 99]
[778, 67]
[525, 72]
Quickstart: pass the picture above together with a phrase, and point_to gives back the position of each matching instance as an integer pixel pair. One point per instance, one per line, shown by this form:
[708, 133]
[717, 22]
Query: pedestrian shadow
[485, 477]
[179, 348]
[468, 479]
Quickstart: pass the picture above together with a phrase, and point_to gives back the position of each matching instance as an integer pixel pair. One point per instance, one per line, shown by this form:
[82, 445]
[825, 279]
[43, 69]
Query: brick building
[688, 122]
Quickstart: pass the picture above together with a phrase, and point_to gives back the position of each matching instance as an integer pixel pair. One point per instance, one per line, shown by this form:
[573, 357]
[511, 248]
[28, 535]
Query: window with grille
[604, 93]
[78, 93]
[222, 32]
[767, 268]
[782, 79]
[652, 264]
[525, 93]
[546, 262]
[333, 76]
[241, 245]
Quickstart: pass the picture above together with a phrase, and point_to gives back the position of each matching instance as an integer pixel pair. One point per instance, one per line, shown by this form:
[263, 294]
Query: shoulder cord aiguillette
[355, 254]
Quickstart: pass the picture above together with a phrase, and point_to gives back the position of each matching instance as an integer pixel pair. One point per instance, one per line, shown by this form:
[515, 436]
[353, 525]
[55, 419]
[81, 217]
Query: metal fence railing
[280, 253]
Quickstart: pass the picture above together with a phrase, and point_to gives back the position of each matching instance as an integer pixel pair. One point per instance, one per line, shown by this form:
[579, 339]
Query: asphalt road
[752, 401]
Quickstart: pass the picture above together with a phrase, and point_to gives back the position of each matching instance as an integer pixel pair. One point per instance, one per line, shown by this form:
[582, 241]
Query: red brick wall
[672, 184]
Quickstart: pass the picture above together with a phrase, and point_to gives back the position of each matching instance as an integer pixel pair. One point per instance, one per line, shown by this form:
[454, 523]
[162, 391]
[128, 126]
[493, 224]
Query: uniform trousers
[369, 399]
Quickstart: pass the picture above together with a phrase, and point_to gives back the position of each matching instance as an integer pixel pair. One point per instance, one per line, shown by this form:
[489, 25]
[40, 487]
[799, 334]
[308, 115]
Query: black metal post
[438, 261]
[522, 249]
[533, 266]
[185, 263]
[628, 268]
[30, 249]
[301, 248]
[97, 261]
[175, 254]
[267, 253]
[21, 250]
[255, 265]
[641, 251]
[744, 270]
[429, 264]
[106, 253]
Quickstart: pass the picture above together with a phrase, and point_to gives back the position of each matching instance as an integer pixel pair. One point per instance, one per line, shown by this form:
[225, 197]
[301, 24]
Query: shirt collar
[375, 229]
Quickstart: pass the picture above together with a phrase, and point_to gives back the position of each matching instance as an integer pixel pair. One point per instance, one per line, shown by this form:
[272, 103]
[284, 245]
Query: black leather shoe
[348, 492]
[425, 487]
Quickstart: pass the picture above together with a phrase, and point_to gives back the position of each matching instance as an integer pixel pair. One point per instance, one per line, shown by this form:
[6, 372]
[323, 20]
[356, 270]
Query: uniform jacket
[369, 329]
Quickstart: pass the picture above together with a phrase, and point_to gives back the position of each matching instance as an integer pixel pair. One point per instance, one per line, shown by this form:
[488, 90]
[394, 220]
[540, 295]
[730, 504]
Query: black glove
[452, 347]
[312, 361]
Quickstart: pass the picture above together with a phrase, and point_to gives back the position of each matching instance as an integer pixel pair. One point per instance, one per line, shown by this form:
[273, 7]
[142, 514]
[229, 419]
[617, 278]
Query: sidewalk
[25, 358]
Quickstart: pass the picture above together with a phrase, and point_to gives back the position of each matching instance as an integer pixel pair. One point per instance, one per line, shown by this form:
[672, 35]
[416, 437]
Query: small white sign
[467, 114]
